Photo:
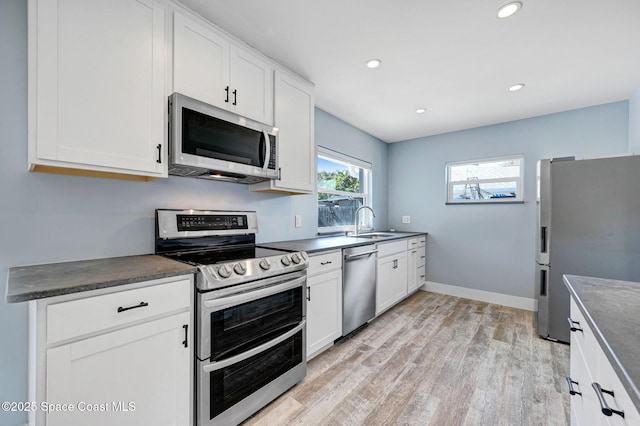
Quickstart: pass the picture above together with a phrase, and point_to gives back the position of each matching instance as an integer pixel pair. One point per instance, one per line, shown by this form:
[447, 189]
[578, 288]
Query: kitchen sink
[373, 235]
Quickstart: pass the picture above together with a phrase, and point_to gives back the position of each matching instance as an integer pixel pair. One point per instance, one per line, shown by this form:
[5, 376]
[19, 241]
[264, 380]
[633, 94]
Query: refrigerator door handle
[543, 239]
[543, 282]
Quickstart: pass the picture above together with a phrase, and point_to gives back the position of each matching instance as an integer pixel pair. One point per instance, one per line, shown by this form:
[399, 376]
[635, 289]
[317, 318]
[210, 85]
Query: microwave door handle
[267, 157]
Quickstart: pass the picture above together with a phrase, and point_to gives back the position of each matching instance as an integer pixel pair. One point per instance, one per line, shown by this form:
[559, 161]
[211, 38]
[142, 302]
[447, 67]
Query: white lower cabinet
[589, 366]
[416, 263]
[391, 273]
[421, 263]
[324, 301]
[134, 369]
[412, 267]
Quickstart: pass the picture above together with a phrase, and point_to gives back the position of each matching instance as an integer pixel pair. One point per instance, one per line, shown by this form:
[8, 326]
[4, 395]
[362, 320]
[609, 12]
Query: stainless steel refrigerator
[588, 224]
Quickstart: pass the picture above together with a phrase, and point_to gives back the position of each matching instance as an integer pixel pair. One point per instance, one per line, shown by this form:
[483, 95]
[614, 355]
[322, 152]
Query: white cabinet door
[412, 269]
[209, 68]
[138, 375]
[97, 86]
[294, 118]
[251, 85]
[324, 311]
[201, 62]
[391, 286]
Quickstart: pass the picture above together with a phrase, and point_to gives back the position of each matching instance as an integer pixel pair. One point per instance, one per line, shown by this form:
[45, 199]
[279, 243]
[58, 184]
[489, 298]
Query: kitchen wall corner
[634, 122]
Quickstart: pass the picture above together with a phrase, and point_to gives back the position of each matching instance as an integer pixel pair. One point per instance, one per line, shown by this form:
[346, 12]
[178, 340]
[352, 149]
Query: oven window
[239, 328]
[232, 384]
[211, 137]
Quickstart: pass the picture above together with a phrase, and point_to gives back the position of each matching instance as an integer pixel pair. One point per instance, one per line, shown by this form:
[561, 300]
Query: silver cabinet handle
[571, 382]
[606, 410]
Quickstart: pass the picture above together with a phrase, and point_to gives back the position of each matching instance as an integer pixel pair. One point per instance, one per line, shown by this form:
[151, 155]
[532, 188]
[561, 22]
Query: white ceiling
[454, 57]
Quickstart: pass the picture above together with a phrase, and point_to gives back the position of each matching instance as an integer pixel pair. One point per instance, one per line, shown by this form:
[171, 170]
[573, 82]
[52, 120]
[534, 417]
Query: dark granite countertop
[38, 281]
[611, 308]
[326, 243]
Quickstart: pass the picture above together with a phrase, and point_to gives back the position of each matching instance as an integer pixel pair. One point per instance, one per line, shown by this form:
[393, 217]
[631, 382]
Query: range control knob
[304, 255]
[264, 264]
[224, 271]
[285, 261]
[240, 269]
[296, 258]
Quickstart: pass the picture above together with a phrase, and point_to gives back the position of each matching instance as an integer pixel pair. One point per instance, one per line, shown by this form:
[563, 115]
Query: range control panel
[176, 224]
[203, 222]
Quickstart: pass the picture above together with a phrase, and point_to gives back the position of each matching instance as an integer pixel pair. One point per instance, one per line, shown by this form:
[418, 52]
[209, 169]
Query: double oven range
[250, 311]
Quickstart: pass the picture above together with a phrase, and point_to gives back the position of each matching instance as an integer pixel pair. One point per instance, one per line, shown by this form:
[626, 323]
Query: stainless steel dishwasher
[358, 286]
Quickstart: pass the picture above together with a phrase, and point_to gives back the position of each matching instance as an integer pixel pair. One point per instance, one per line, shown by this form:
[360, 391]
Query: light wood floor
[433, 360]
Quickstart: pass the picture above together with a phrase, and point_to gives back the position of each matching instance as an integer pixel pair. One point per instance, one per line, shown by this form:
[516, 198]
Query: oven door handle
[248, 354]
[225, 302]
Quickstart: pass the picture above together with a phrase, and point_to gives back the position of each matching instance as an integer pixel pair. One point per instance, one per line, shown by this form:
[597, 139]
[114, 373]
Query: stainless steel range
[250, 311]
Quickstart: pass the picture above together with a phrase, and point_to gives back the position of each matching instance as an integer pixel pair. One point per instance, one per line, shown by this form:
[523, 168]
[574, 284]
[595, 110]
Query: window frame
[519, 180]
[366, 189]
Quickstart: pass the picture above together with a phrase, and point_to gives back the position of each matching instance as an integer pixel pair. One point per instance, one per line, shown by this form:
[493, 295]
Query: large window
[493, 180]
[344, 184]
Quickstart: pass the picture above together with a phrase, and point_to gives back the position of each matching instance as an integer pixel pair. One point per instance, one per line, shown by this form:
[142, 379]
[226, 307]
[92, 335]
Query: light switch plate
[298, 221]
[406, 219]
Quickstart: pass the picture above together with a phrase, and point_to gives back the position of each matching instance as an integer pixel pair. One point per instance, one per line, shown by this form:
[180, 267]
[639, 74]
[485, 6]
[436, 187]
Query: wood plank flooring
[433, 360]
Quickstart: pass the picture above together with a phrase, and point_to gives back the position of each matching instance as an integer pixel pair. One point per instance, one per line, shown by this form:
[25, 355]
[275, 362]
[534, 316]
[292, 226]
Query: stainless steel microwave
[212, 143]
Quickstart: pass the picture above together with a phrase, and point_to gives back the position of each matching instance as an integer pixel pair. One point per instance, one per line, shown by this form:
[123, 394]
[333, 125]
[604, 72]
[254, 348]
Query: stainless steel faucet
[355, 219]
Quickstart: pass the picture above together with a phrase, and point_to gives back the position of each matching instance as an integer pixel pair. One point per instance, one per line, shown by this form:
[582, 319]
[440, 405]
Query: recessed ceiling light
[373, 63]
[509, 9]
[421, 110]
[516, 87]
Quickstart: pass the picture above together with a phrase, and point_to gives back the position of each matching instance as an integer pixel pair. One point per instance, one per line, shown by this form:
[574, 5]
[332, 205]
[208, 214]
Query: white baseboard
[483, 296]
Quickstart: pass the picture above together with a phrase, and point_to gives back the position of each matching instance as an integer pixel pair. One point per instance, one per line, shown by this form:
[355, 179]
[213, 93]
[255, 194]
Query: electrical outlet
[406, 219]
[298, 221]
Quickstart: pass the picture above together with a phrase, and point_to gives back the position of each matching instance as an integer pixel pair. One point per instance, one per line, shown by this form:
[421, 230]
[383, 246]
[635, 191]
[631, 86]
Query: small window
[493, 180]
[344, 184]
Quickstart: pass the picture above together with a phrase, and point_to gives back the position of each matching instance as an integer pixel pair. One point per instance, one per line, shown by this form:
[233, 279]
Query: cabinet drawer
[421, 274]
[412, 243]
[584, 341]
[66, 320]
[422, 241]
[608, 379]
[422, 256]
[386, 249]
[324, 262]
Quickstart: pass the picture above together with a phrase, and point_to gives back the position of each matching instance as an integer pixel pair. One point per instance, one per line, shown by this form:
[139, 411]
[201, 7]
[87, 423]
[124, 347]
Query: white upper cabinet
[208, 67]
[251, 86]
[294, 118]
[200, 62]
[97, 101]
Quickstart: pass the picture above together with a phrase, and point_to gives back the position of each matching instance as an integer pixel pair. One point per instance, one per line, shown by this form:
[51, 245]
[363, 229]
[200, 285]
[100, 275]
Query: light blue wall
[333, 133]
[51, 218]
[491, 247]
[634, 122]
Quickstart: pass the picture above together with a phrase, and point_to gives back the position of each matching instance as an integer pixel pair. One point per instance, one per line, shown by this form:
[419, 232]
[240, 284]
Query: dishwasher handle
[357, 255]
